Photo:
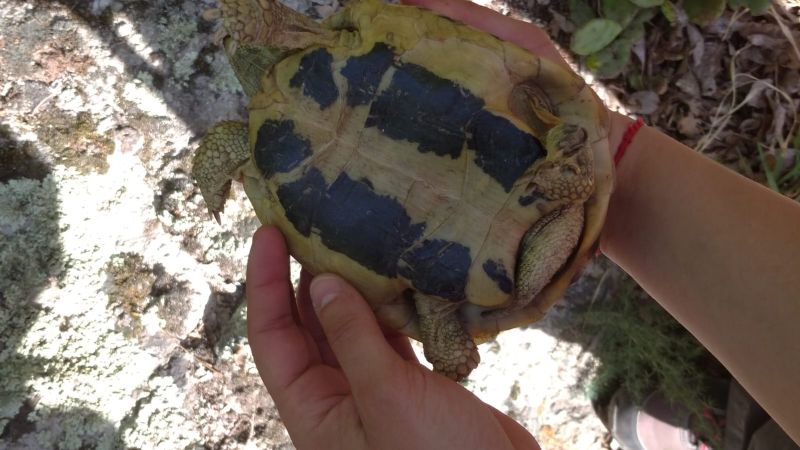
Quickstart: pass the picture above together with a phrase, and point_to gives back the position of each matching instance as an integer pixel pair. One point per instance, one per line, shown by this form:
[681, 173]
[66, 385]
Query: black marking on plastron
[351, 218]
[526, 200]
[370, 228]
[364, 73]
[425, 109]
[278, 149]
[502, 150]
[316, 77]
[367, 181]
[497, 273]
[438, 267]
[301, 198]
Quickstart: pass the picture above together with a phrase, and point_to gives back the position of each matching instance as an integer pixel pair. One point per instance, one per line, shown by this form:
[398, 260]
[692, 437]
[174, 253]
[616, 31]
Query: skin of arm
[719, 252]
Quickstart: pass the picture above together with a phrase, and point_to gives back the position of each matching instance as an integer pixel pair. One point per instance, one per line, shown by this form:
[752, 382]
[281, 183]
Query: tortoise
[458, 181]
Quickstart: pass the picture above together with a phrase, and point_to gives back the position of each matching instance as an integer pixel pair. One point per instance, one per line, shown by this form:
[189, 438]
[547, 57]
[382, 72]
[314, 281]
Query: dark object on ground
[748, 427]
[657, 424]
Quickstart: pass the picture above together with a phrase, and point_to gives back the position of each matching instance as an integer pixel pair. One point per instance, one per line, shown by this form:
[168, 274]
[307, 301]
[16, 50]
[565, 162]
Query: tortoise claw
[217, 162]
[216, 216]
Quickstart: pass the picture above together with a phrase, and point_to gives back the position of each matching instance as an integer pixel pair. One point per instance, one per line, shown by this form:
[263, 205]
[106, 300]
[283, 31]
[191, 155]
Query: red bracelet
[627, 138]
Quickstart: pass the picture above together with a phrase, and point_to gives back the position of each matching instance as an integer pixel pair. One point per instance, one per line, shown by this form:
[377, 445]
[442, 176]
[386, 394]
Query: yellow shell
[402, 193]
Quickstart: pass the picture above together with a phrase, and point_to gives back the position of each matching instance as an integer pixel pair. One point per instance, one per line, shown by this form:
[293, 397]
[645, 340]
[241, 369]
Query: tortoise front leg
[568, 172]
[447, 344]
[218, 160]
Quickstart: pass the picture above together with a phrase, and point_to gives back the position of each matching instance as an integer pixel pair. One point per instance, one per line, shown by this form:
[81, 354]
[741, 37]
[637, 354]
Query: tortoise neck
[251, 63]
[270, 24]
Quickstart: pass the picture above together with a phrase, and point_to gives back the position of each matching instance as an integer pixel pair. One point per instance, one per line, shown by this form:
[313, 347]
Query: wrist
[616, 225]
[618, 124]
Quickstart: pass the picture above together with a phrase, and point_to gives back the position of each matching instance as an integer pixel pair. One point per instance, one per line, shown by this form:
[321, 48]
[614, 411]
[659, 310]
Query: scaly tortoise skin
[459, 182]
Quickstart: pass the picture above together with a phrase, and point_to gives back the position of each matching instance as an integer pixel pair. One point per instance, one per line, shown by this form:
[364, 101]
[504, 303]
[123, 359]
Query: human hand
[526, 35]
[340, 382]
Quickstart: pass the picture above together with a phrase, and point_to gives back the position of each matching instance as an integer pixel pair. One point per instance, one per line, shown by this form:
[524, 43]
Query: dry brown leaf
[762, 40]
[779, 116]
[689, 126]
[790, 82]
[755, 96]
[707, 72]
[697, 43]
[643, 102]
[751, 125]
[688, 84]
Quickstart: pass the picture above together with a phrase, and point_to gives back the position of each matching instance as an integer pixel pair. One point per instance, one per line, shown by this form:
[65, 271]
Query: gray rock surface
[121, 304]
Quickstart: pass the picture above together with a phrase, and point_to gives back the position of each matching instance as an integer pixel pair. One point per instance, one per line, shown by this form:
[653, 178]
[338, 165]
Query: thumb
[352, 331]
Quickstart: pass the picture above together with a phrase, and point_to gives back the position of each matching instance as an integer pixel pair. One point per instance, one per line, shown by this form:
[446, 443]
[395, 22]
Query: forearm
[721, 254]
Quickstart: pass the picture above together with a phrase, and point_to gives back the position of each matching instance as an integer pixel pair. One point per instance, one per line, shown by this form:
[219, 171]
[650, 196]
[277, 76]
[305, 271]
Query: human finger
[516, 433]
[281, 348]
[400, 343]
[310, 321]
[352, 331]
[526, 35]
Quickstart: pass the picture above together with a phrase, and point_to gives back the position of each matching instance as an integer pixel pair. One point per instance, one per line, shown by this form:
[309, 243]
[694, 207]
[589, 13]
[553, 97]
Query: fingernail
[323, 290]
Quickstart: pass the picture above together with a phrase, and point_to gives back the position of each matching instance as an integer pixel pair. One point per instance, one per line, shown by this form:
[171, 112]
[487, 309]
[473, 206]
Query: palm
[378, 397]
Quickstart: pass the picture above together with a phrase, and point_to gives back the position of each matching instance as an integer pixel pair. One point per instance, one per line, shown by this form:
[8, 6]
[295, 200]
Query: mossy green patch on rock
[131, 283]
[74, 140]
[172, 297]
[136, 288]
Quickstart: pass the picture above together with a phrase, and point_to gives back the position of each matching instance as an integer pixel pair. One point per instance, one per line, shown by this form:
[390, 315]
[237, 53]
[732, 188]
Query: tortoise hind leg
[217, 162]
[545, 249]
[448, 346]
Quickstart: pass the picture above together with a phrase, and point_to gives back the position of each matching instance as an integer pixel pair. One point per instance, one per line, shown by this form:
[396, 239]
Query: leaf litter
[729, 89]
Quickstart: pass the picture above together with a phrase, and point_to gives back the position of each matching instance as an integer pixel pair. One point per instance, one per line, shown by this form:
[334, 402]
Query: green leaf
[756, 7]
[793, 174]
[644, 16]
[668, 10]
[620, 11]
[580, 12]
[647, 3]
[703, 12]
[594, 36]
[611, 61]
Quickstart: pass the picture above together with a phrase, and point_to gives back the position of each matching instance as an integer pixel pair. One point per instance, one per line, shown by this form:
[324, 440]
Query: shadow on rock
[65, 428]
[166, 45]
[31, 259]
